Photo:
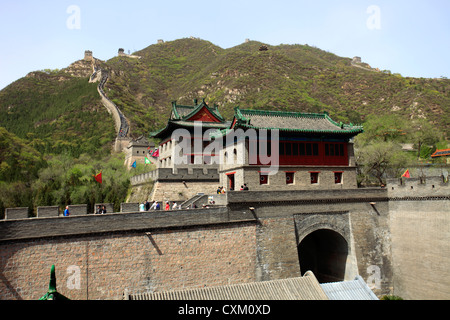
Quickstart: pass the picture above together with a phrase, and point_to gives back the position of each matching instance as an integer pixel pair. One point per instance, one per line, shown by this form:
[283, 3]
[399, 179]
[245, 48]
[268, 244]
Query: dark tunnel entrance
[324, 252]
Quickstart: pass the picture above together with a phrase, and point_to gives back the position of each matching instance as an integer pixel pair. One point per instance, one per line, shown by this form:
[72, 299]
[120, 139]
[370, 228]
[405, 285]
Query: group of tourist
[244, 187]
[101, 209]
[146, 206]
[221, 190]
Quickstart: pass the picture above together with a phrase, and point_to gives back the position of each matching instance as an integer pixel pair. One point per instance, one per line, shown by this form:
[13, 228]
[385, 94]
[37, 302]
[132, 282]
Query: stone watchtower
[121, 52]
[88, 55]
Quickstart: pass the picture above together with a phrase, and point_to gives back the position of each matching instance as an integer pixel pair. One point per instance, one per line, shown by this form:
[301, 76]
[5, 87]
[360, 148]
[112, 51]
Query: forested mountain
[284, 77]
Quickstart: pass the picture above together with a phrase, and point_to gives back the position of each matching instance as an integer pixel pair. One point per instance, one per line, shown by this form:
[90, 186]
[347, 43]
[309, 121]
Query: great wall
[121, 123]
[395, 238]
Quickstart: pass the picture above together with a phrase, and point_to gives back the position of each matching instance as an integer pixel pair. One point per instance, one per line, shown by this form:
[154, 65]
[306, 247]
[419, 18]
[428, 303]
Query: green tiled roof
[316, 123]
[181, 114]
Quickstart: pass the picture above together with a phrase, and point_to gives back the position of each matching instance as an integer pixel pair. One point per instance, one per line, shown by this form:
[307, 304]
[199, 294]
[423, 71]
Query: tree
[385, 128]
[378, 159]
[378, 150]
[423, 133]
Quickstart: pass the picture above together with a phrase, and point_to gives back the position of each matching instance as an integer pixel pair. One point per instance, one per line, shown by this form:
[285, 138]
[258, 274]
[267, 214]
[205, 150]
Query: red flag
[406, 174]
[156, 153]
[98, 178]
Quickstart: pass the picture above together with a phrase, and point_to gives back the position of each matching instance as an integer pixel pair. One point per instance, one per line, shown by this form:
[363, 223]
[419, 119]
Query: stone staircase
[195, 199]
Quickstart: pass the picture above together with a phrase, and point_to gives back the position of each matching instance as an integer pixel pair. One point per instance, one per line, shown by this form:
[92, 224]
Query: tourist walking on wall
[167, 206]
[66, 212]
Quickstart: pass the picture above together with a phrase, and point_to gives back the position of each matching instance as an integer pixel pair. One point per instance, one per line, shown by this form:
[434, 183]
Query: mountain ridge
[295, 77]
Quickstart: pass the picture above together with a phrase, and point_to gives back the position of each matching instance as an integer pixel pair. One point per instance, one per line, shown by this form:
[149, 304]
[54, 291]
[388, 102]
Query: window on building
[289, 177]
[308, 149]
[263, 178]
[338, 177]
[315, 147]
[281, 148]
[336, 149]
[314, 177]
[301, 150]
[288, 149]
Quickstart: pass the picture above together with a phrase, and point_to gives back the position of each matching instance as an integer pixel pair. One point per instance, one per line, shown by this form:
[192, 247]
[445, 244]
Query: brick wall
[420, 228]
[109, 263]
[147, 251]
[202, 257]
[285, 218]
[277, 249]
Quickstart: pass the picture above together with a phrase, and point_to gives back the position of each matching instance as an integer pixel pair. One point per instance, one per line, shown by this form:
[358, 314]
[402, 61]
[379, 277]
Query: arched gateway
[324, 252]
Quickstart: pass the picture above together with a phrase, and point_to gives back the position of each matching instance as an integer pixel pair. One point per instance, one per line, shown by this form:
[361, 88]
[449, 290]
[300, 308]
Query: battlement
[177, 175]
[429, 187]
[88, 55]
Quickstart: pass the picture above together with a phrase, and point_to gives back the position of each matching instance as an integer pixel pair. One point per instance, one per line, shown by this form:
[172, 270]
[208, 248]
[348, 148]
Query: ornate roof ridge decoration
[184, 119]
[194, 109]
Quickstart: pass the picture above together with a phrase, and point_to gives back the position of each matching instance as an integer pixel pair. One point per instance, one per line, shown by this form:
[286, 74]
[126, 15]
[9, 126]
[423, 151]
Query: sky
[411, 37]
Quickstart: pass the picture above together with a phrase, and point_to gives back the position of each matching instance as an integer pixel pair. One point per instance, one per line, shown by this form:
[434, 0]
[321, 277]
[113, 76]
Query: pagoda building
[191, 122]
[273, 150]
[184, 169]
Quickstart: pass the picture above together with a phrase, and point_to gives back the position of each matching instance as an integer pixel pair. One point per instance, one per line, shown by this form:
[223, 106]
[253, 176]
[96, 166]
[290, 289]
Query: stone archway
[324, 252]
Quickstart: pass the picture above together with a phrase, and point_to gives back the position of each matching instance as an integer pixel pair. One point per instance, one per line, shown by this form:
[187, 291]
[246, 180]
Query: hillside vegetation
[285, 77]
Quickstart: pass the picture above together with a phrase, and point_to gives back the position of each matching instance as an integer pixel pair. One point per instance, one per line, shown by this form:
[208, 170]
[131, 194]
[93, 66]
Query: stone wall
[177, 184]
[177, 175]
[361, 216]
[397, 241]
[420, 228]
[99, 256]
[16, 213]
[179, 191]
[302, 179]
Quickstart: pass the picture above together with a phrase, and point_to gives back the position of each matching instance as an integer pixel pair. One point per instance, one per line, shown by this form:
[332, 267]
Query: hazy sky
[407, 37]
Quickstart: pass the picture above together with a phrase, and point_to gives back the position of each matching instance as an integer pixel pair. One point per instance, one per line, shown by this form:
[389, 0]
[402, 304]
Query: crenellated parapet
[177, 175]
[433, 187]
